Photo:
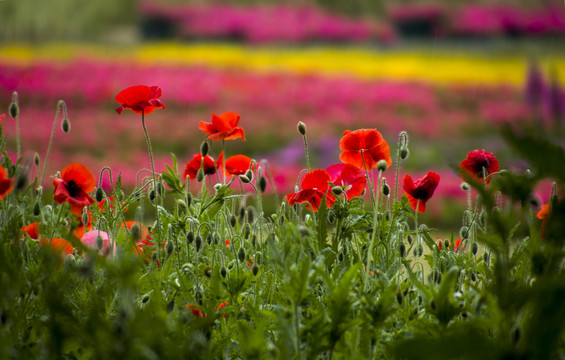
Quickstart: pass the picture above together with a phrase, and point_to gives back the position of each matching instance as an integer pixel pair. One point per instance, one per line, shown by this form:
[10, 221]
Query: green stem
[306, 152]
[150, 149]
[60, 104]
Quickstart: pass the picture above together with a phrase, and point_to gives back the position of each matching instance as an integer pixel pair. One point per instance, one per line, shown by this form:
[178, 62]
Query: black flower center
[73, 188]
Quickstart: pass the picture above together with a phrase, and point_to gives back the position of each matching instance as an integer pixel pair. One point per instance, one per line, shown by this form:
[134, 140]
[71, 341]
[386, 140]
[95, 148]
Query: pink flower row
[264, 23]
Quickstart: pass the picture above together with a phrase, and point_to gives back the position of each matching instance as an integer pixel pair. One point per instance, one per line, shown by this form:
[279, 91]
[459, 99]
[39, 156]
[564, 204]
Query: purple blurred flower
[535, 86]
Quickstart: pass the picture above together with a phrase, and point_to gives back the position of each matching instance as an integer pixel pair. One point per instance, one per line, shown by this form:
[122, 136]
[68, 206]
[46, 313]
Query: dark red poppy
[58, 245]
[6, 184]
[194, 165]
[420, 190]
[476, 163]
[223, 127]
[73, 187]
[235, 165]
[140, 99]
[456, 246]
[367, 144]
[349, 177]
[32, 230]
[314, 186]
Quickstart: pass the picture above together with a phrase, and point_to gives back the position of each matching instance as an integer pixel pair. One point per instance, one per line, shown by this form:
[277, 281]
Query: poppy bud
[233, 221]
[204, 148]
[420, 250]
[217, 187]
[331, 217]
[386, 190]
[66, 125]
[209, 239]
[381, 165]
[464, 186]
[250, 215]
[152, 195]
[224, 272]
[399, 297]
[340, 257]
[84, 217]
[241, 254]
[99, 194]
[190, 237]
[337, 190]
[14, 107]
[198, 243]
[404, 152]
[262, 183]
[486, 258]
[244, 179]
[247, 231]
[200, 175]
[474, 248]
[255, 269]
[36, 209]
[170, 248]
[36, 159]
[188, 200]
[99, 242]
[181, 205]
[301, 128]
[249, 175]
[145, 299]
[464, 232]
[254, 240]
[402, 250]
[216, 239]
[135, 232]
[21, 182]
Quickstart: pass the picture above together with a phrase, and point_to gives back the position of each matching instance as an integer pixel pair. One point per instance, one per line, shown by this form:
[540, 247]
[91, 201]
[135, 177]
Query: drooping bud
[204, 148]
[464, 232]
[301, 128]
[402, 250]
[337, 190]
[99, 242]
[386, 190]
[36, 209]
[254, 240]
[244, 179]
[190, 237]
[250, 215]
[99, 194]
[255, 269]
[198, 243]
[223, 272]
[249, 175]
[241, 254]
[21, 182]
[36, 159]
[135, 231]
[465, 186]
[181, 205]
[262, 184]
[200, 175]
[233, 221]
[381, 165]
[474, 248]
[84, 217]
[152, 195]
[404, 152]
[170, 247]
[66, 125]
[188, 200]
[246, 231]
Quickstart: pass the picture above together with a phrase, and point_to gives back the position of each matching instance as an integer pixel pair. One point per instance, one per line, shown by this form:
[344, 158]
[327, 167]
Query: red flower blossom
[223, 127]
[476, 163]
[235, 165]
[314, 187]
[194, 165]
[194, 308]
[32, 230]
[349, 177]
[73, 187]
[59, 246]
[365, 144]
[221, 308]
[421, 189]
[140, 99]
[6, 184]
[2, 117]
[457, 246]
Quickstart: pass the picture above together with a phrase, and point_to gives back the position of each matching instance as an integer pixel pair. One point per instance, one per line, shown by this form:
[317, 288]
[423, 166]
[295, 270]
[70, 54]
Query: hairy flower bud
[301, 128]
[337, 190]
[204, 148]
[190, 237]
[200, 175]
[233, 221]
[474, 248]
[181, 205]
[381, 165]
[99, 242]
[262, 184]
[36, 209]
[188, 200]
[66, 125]
[99, 194]
[244, 179]
[464, 232]
[198, 243]
[241, 254]
[465, 186]
[36, 159]
[386, 190]
[404, 152]
[169, 248]
[402, 250]
[249, 175]
[223, 272]
[152, 195]
[14, 107]
[255, 269]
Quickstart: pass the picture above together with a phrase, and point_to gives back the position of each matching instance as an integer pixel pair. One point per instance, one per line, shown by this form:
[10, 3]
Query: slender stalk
[150, 149]
[307, 154]
[60, 105]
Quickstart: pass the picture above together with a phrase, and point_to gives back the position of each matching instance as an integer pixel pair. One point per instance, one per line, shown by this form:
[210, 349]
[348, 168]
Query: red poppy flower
[2, 117]
[194, 308]
[140, 99]
[73, 187]
[421, 189]
[457, 246]
[349, 177]
[6, 184]
[235, 165]
[32, 230]
[476, 163]
[59, 246]
[314, 187]
[223, 127]
[365, 144]
[221, 308]
[194, 165]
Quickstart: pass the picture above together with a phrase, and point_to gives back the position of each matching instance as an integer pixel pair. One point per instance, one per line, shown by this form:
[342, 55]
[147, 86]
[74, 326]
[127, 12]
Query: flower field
[222, 201]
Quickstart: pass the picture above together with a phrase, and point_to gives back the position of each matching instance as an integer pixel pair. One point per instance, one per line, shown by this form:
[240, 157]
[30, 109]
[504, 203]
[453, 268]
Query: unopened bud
[181, 205]
[99, 194]
[190, 237]
[474, 248]
[135, 232]
[255, 269]
[404, 152]
[301, 128]
[152, 195]
[399, 297]
[254, 240]
[386, 190]
[188, 200]
[402, 250]
[246, 231]
[244, 179]
[14, 107]
[21, 182]
[36, 209]
[204, 148]
[85, 216]
[223, 272]
[36, 159]
[217, 187]
[249, 175]
[200, 175]
[198, 243]
[382, 165]
[66, 125]
[250, 215]
[241, 254]
[233, 221]
[465, 186]
[464, 232]
[337, 190]
[170, 247]
[99, 242]
[262, 183]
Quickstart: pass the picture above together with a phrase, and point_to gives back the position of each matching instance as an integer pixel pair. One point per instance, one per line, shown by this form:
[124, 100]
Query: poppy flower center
[73, 188]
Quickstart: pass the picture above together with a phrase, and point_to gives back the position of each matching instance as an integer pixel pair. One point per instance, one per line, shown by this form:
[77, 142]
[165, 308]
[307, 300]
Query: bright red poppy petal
[80, 175]
[316, 179]
[134, 95]
[381, 152]
[220, 123]
[414, 202]
[335, 172]
[6, 187]
[237, 165]
[207, 128]
[32, 230]
[235, 133]
[209, 165]
[230, 118]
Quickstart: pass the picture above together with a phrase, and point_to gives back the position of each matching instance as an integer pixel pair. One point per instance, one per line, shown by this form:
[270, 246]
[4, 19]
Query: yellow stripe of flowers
[439, 66]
